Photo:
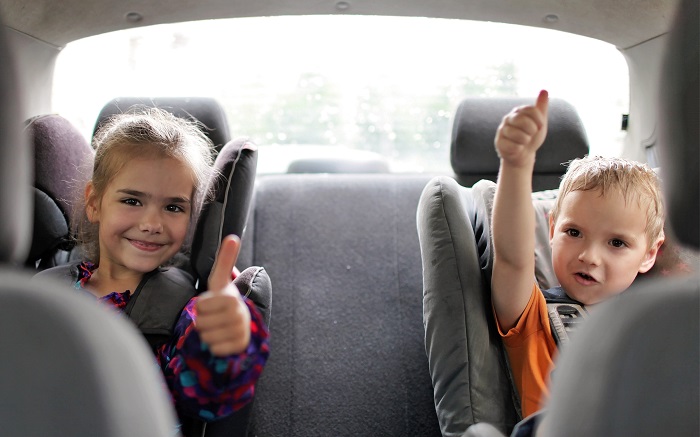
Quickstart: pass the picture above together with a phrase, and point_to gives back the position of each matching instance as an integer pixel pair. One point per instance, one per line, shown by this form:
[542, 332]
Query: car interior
[382, 323]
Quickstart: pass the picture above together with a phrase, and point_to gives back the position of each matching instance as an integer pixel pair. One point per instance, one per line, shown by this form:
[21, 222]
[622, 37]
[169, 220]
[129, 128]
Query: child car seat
[62, 160]
[474, 157]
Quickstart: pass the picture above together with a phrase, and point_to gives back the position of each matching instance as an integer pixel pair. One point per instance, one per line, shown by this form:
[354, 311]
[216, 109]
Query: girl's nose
[151, 223]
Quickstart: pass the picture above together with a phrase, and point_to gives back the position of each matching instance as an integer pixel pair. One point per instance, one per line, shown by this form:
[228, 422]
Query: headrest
[474, 129]
[15, 165]
[206, 110]
[62, 160]
[227, 213]
[338, 165]
[679, 115]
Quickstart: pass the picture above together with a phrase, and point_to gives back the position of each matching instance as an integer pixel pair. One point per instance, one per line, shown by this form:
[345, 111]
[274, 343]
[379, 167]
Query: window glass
[375, 85]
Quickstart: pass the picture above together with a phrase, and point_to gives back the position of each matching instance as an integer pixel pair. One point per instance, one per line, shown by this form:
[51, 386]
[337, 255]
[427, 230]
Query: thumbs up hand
[522, 132]
[223, 318]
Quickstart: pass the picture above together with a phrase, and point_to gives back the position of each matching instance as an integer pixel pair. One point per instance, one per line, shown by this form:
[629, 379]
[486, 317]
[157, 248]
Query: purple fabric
[201, 384]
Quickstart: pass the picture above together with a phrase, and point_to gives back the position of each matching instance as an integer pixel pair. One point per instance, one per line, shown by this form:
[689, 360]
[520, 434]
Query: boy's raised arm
[519, 136]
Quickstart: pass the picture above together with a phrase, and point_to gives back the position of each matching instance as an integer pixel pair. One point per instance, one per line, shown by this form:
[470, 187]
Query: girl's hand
[223, 319]
[522, 132]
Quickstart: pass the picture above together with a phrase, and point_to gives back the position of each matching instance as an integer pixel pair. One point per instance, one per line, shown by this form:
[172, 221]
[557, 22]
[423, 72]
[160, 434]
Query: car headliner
[623, 23]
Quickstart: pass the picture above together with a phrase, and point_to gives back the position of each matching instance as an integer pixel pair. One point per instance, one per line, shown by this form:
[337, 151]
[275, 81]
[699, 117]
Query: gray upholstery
[69, 366]
[467, 364]
[347, 340]
[643, 379]
[679, 127]
[15, 164]
[62, 162]
[338, 165]
[206, 110]
[474, 157]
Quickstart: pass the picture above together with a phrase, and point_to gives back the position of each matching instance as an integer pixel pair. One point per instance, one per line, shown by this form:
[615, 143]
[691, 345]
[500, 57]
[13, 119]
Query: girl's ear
[650, 256]
[91, 204]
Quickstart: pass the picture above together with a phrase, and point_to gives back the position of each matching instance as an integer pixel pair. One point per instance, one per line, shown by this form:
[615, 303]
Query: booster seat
[468, 366]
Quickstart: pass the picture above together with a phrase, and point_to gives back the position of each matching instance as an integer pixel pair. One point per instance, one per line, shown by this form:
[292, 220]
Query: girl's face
[143, 215]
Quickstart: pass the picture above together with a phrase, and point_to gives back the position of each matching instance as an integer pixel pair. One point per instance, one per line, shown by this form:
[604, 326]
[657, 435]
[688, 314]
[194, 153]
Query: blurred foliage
[409, 125]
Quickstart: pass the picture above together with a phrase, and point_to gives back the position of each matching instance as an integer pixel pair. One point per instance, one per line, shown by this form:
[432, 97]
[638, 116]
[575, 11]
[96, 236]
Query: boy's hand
[522, 132]
[223, 319]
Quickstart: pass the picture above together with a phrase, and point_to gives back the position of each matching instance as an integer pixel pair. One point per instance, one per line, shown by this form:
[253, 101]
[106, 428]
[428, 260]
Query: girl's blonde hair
[143, 132]
[634, 180]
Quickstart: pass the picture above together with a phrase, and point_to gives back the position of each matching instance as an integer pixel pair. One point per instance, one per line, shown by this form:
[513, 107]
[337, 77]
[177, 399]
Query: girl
[148, 183]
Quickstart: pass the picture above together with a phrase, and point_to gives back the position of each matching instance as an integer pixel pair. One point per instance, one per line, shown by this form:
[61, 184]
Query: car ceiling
[623, 23]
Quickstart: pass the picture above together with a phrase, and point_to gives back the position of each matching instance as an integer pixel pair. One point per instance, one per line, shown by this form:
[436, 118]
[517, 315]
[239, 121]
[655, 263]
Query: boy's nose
[589, 255]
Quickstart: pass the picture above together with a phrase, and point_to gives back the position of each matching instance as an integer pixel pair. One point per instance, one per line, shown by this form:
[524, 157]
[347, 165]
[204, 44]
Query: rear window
[384, 86]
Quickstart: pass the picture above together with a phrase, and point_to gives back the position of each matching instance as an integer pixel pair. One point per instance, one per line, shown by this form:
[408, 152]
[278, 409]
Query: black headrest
[474, 157]
[15, 165]
[62, 160]
[227, 213]
[206, 110]
[679, 115]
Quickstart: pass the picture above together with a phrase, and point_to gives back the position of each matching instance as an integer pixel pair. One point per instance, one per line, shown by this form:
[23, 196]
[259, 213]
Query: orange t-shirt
[531, 350]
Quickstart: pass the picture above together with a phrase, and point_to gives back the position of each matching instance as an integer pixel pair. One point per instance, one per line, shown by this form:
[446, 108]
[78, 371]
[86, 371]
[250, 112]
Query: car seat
[470, 372]
[206, 110]
[231, 189]
[467, 363]
[65, 356]
[62, 160]
[473, 156]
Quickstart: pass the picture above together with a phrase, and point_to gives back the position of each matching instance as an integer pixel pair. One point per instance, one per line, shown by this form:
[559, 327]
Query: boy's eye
[572, 232]
[617, 243]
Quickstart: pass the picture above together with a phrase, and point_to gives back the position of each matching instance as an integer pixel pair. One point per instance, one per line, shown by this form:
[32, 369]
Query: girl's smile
[143, 216]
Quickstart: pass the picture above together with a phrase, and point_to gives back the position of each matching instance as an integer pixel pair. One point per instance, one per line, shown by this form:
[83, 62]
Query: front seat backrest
[15, 164]
[474, 157]
[205, 110]
[69, 366]
[643, 378]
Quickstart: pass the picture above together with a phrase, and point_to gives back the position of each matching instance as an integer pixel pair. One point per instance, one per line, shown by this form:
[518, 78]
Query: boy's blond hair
[634, 180]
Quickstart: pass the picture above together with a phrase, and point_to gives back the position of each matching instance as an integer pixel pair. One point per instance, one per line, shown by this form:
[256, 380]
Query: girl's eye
[174, 208]
[131, 202]
[617, 243]
[572, 232]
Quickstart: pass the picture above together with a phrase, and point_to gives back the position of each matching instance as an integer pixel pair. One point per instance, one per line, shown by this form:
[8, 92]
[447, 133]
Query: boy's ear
[650, 256]
[91, 207]
[551, 227]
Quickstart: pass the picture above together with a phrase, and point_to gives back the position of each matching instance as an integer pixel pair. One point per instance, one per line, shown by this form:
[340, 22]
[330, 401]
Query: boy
[605, 228]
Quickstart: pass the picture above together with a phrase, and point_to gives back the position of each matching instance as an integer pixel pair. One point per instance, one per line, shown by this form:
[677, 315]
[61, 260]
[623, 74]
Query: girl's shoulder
[68, 273]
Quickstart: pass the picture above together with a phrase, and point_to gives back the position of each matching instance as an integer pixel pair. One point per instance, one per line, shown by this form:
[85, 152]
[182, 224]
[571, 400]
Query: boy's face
[599, 245]
[143, 215]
